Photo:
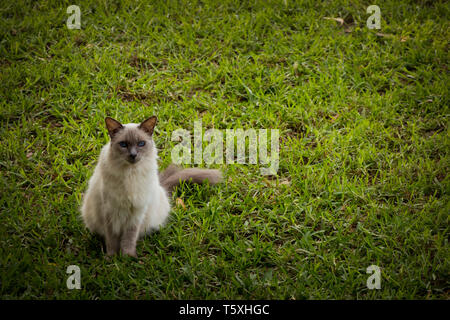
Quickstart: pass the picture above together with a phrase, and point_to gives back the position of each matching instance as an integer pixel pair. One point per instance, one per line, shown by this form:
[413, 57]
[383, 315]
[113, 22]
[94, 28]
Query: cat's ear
[148, 125]
[113, 126]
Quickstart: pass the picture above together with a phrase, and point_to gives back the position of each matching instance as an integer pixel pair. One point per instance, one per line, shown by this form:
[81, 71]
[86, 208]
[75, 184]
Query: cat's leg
[128, 240]
[112, 240]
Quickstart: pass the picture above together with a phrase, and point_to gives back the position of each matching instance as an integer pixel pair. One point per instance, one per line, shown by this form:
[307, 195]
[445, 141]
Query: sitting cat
[126, 198]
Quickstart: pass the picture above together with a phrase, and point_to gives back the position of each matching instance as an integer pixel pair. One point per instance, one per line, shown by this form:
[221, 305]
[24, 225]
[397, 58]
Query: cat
[126, 197]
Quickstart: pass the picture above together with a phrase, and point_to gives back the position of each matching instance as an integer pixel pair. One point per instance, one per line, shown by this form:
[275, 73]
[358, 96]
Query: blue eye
[123, 144]
[141, 143]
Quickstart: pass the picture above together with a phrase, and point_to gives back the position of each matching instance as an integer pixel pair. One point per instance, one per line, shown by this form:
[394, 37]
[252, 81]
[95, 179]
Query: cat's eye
[123, 144]
[141, 143]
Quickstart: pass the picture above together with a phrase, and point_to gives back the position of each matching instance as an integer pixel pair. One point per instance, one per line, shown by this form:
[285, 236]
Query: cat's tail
[174, 175]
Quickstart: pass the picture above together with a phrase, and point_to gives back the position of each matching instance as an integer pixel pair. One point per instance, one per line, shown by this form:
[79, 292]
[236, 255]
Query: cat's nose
[133, 155]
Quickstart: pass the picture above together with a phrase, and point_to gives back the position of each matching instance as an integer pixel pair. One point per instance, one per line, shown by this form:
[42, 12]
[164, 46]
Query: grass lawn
[364, 146]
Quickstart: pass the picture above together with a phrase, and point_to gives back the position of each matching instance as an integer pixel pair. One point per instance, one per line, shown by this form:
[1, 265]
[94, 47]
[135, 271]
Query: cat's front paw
[111, 250]
[112, 246]
[110, 253]
[131, 253]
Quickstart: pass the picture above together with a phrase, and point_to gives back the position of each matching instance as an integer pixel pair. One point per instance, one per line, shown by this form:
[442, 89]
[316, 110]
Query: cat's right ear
[113, 126]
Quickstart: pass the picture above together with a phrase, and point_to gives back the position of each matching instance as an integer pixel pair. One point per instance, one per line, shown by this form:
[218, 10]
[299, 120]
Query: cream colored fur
[125, 196]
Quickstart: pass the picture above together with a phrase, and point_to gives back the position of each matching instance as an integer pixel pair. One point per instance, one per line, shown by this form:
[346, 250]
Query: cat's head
[131, 142]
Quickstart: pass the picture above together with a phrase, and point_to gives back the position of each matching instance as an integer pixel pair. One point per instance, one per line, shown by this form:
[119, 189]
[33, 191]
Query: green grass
[364, 146]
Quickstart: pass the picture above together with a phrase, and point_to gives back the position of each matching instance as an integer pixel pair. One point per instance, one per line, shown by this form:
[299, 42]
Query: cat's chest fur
[130, 188]
[137, 189]
[129, 193]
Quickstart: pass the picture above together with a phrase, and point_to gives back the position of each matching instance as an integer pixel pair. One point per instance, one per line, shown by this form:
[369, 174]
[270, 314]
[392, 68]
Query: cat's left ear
[148, 125]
